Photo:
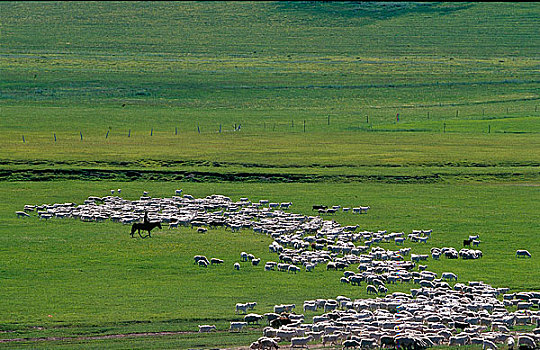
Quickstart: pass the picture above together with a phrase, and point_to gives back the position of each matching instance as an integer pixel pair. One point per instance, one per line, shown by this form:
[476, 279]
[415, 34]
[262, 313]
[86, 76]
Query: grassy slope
[461, 67]
[453, 67]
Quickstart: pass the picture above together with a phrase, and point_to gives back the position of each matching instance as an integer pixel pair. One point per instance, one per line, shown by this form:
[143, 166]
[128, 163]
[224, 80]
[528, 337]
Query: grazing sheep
[252, 318]
[459, 340]
[285, 334]
[236, 266]
[241, 307]
[278, 309]
[387, 341]
[21, 214]
[310, 307]
[523, 252]
[449, 276]
[268, 343]
[301, 341]
[237, 326]
[371, 289]
[293, 268]
[215, 261]
[330, 338]
[488, 345]
[368, 343]
[526, 342]
[207, 328]
[510, 342]
[255, 262]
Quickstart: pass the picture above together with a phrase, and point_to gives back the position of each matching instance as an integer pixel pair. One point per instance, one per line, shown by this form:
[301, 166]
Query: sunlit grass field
[426, 112]
[94, 279]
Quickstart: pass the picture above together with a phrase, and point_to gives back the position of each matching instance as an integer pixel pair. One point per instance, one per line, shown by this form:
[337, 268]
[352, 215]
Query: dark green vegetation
[98, 95]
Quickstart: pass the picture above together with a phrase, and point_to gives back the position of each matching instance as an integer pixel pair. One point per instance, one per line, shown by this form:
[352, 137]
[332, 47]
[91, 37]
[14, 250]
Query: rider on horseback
[146, 225]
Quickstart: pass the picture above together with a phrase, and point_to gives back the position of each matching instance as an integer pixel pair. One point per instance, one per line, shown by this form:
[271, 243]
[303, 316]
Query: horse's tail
[133, 229]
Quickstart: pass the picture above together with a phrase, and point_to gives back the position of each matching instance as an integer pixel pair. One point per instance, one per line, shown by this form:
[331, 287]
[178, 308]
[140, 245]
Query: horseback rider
[145, 220]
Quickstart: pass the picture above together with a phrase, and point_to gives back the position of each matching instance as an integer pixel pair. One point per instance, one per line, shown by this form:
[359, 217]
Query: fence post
[328, 120]
[489, 129]
[106, 136]
[54, 137]
[367, 119]
[81, 135]
[152, 132]
[129, 133]
[304, 126]
[444, 127]
[176, 130]
[23, 139]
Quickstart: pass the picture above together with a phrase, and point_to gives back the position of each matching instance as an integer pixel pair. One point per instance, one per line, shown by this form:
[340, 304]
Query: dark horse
[145, 226]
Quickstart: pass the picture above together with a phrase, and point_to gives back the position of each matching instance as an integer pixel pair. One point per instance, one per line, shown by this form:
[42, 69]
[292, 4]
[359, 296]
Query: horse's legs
[140, 234]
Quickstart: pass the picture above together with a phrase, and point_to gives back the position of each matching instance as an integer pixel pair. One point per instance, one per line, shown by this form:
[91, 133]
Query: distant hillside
[273, 28]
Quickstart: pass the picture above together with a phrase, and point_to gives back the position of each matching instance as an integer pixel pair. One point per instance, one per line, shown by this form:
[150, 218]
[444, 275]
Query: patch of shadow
[377, 10]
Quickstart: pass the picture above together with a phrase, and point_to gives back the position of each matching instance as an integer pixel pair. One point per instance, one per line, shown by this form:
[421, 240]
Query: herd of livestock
[435, 313]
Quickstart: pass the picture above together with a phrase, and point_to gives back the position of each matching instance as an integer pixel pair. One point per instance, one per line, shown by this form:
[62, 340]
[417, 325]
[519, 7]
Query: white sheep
[522, 252]
[310, 306]
[236, 266]
[242, 307]
[301, 341]
[330, 338]
[488, 345]
[526, 341]
[293, 268]
[285, 334]
[207, 328]
[449, 276]
[237, 326]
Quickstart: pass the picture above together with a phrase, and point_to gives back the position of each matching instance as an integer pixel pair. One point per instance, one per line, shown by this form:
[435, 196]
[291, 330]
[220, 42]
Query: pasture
[426, 112]
[87, 274]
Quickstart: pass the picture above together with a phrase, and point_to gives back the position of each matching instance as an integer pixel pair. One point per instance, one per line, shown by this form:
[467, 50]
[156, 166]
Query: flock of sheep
[434, 313]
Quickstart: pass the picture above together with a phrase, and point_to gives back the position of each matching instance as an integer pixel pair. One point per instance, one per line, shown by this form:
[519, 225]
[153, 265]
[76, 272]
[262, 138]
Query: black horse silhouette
[145, 226]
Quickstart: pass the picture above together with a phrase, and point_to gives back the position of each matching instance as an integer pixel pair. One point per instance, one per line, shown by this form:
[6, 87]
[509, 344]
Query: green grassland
[147, 96]
[301, 72]
[93, 279]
